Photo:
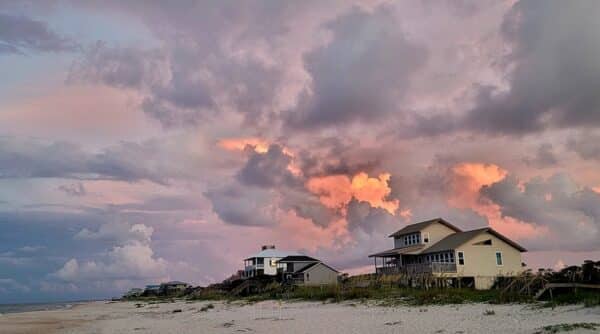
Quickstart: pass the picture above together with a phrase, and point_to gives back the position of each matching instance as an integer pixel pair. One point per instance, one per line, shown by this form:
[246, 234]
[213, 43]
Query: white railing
[419, 268]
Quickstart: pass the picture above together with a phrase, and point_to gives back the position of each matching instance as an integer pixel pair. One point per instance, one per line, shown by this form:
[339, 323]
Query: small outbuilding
[305, 270]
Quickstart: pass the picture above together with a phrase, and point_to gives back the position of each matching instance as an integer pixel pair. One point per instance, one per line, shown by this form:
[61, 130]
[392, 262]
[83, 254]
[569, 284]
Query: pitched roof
[272, 253]
[412, 228]
[298, 258]
[174, 283]
[311, 265]
[416, 249]
[455, 240]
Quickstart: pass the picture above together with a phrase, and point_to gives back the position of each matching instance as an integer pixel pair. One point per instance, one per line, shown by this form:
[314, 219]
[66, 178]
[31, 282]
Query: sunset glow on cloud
[172, 130]
[336, 191]
[239, 144]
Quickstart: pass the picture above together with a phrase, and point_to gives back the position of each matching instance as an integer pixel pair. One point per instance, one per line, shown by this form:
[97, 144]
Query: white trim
[501, 259]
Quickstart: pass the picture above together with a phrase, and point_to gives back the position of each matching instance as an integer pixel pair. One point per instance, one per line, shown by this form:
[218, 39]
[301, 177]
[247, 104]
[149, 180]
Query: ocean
[17, 308]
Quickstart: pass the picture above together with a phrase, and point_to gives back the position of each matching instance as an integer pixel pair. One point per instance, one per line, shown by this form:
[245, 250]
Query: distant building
[151, 290]
[173, 287]
[305, 270]
[264, 262]
[441, 249]
[133, 293]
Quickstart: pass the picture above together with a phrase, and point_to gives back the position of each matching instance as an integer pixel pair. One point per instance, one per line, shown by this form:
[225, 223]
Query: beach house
[173, 287]
[441, 249]
[305, 270]
[264, 262]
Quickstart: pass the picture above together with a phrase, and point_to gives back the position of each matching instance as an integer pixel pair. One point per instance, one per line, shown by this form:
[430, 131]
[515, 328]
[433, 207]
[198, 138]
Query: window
[273, 262]
[498, 258]
[461, 258]
[260, 260]
[425, 237]
[307, 276]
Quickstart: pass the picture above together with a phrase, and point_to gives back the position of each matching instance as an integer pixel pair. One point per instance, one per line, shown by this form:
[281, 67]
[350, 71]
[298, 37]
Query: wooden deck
[548, 287]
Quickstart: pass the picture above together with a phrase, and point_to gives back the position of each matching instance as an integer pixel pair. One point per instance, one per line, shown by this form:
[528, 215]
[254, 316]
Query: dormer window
[412, 239]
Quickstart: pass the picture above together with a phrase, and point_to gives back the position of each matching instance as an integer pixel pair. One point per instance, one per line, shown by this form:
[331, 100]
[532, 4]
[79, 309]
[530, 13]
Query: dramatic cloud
[240, 205]
[338, 123]
[569, 211]
[336, 191]
[544, 157]
[361, 74]
[133, 259]
[267, 169]
[555, 70]
[20, 34]
[586, 145]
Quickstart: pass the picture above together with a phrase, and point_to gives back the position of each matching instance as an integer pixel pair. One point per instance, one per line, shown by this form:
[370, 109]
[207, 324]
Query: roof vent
[265, 247]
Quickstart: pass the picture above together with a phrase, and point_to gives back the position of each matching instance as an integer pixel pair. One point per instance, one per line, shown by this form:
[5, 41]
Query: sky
[148, 141]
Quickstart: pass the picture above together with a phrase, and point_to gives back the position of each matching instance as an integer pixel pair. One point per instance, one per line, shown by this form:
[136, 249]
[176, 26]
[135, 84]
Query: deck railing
[419, 268]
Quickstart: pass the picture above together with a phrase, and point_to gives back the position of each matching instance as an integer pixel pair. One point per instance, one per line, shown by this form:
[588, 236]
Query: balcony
[419, 268]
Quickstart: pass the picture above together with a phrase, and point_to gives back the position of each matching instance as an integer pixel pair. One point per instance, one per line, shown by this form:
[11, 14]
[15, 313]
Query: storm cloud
[20, 35]
[170, 130]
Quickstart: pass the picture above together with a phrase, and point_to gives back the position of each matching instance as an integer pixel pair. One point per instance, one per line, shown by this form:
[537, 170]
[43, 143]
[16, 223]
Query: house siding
[480, 260]
[320, 274]
[436, 232]
[270, 265]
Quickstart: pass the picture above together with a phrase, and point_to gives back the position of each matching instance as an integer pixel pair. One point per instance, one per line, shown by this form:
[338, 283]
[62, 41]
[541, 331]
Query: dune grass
[558, 328]
[388, 296]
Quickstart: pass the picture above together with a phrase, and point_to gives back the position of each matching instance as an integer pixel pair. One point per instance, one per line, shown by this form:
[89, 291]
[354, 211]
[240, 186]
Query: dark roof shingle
[298, 258]
[455, 240]
[412, 228]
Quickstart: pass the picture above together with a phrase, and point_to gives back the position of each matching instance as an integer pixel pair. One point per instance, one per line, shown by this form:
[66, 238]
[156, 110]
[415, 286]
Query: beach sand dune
[296, 317]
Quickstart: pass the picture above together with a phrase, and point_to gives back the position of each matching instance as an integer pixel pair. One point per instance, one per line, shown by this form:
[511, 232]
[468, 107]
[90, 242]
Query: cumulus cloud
[20, 34]
[267, 169]
[544, 157]
[118, 231]
[586, 145]
[570, 211]
[240, 205]
[555, 55]
[133, 259]
[361, 74]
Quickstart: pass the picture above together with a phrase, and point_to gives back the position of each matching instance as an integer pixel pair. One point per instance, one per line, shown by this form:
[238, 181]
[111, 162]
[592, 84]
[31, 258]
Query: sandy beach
[296, 317]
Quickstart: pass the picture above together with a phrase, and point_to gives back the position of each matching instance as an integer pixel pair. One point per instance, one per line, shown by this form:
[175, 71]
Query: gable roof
[412, 228]
[298, 258]
[455, 240]
[312, 265]
[272, 253]
[408, 250]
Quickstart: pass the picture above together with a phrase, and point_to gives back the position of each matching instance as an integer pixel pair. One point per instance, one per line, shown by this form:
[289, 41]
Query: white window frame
[426, 237]
[459, 255]
[501, 259]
